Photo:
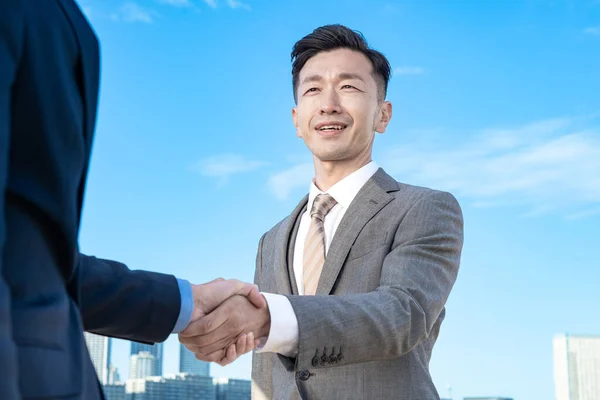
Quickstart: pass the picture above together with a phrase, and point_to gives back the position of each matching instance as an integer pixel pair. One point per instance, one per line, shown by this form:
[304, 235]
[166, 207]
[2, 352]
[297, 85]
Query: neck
[328, 173]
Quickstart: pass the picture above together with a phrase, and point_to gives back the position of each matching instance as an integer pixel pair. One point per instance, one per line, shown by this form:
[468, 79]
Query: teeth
[332, 127]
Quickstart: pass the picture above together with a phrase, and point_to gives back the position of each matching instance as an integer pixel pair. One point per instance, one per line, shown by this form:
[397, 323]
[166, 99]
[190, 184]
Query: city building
[487, 398]
[171, 387]
[114, 391]
[113, 375]
[156, 350]
[142, 365]
[232, 389]
[99, 348]
[189, 364]
[576, 367]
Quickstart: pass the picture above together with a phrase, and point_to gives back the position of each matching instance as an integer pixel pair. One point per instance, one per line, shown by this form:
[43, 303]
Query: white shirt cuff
[283, 335]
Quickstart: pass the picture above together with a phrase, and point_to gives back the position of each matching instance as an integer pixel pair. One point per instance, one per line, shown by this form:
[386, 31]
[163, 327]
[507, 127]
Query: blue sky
[497, 102]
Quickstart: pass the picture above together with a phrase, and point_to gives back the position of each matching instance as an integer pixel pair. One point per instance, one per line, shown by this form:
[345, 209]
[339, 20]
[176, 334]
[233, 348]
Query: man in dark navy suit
[50, 292]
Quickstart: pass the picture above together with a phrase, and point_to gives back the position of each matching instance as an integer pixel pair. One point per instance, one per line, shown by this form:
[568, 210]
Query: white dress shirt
[283, 335]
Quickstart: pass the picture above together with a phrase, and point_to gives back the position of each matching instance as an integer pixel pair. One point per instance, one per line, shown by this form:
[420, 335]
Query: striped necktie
[314, 245]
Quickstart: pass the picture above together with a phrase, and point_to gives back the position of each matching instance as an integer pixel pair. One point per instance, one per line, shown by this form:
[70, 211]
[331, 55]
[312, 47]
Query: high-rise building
[576, 367]
[113, 375]
[189, 364]
[114, 391]
[232, 389]
[156, 350]
[188, 386]
[141, 365]
[488, 398]
[171, 387]
[99, 348]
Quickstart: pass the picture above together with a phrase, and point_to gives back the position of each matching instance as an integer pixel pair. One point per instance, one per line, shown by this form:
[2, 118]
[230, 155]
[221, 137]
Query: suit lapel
[90, 64]
[284, 271]
[291, 249]
[88, 76]
[373, 196]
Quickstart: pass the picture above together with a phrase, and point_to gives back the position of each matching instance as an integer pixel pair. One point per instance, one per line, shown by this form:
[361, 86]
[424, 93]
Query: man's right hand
[208, 296]
[219, 336]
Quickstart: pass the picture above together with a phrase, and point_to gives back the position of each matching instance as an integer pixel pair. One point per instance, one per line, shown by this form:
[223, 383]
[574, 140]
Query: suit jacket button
[304, 375]
[340, 358]
[315, 361]
[333, 359]
[325, 359]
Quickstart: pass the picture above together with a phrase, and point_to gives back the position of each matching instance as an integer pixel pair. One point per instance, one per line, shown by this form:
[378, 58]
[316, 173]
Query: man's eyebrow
[343, 76]
[348, 76]
[312, 78]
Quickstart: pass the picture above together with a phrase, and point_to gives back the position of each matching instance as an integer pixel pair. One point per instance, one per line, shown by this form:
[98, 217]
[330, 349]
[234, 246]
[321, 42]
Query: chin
[326, 156]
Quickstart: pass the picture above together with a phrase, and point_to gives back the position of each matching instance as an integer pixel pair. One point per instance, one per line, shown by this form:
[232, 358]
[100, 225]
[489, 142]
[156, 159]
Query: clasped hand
[228, 320]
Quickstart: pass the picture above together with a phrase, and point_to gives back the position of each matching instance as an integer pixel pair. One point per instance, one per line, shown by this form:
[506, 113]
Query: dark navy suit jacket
[50, 292]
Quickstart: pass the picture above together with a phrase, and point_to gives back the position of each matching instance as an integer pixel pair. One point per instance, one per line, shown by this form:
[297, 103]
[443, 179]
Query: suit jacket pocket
[43, 323]
[51, 349]
[363, 247]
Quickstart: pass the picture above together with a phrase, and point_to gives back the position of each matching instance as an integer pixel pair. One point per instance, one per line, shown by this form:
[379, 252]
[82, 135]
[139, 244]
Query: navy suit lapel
[89, 64]
[88, 78]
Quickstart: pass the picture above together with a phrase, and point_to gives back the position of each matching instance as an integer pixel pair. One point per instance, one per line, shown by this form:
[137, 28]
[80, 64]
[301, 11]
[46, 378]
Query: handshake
[228, 319]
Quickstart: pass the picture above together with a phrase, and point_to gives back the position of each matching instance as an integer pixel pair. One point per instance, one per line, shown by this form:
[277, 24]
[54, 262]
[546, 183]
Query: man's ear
[385, 115]
[295, 119]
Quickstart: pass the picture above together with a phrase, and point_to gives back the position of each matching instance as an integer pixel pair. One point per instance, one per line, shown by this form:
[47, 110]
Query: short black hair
[333, 37]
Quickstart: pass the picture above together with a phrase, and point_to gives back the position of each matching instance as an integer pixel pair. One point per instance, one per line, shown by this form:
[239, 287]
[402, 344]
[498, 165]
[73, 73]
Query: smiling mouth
[332, 128]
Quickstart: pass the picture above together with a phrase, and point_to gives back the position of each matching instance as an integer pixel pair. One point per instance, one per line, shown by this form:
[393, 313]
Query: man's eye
[348, 87]
[312, 90]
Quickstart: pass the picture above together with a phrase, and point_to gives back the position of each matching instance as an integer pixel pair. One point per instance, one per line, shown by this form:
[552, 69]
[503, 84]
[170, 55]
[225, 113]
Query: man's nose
[330, 103]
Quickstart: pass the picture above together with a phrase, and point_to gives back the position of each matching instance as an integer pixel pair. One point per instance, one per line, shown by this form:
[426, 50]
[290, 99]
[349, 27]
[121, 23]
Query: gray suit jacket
[370, 330]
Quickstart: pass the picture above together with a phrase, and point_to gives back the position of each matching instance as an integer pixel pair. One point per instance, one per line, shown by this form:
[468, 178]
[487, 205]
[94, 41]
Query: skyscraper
[189, 364]
[114, 391]
[232, 389]
[156, 350]
[576, 367]
[487, 398]
[99, 348]
[171, 387]
[113, 375]
[142, 365]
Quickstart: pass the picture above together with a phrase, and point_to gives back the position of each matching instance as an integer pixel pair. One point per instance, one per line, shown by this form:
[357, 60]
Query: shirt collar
[346, 189]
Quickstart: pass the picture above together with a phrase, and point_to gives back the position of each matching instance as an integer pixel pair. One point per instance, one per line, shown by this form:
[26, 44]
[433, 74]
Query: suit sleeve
[11, 28]
[416, 278]
[262, 386]
[133, 305]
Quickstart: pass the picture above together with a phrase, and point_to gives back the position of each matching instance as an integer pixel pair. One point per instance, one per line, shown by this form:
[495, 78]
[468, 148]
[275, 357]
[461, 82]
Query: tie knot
[321, 206]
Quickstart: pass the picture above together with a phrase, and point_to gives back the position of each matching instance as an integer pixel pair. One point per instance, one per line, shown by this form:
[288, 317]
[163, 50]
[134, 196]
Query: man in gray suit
[357, 277]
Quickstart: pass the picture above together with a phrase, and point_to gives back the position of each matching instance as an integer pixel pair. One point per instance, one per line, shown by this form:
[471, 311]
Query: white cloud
[224, 165]
[132, 12]
[238, 4]
[177, 3]
[595, 30]
[283, 183]
[406, 70]
[549, 166]
[584, 214]
[211, 3]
